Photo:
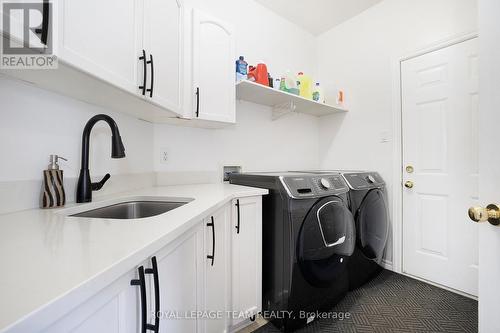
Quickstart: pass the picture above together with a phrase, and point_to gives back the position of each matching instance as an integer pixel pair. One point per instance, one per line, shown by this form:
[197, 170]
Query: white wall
[35, 123]
[360, 56]
[256, 143]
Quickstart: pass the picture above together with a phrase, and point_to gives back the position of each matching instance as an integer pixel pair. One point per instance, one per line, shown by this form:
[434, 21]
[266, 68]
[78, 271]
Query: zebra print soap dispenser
[53, 194]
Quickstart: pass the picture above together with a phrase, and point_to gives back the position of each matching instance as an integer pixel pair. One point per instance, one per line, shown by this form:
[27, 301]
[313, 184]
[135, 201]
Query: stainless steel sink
[131, 210]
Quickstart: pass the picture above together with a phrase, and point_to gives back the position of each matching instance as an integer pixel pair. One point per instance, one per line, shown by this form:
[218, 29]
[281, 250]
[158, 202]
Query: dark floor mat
[396, 303]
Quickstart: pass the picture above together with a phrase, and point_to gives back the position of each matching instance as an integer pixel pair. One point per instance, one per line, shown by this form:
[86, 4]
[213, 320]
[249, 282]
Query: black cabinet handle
[197, 102]
[45, 22]
[238, 212]
[145, 72]
[154, 271]
[44, 31]
[141, 282]
[150, 61]
[212, 224]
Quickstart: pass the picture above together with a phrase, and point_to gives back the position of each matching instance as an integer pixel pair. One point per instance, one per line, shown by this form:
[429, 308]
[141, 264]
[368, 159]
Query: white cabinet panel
[102, 38]
[213, 69]
[179, 271]
[216, 286]
[163, 40]
[246, 257]
[116, 309]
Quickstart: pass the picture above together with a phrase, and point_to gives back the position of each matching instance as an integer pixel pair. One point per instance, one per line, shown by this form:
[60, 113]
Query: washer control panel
[310, 186]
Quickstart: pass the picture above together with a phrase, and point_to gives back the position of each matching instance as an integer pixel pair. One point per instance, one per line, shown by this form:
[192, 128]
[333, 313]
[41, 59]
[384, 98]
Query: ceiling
[318, 16]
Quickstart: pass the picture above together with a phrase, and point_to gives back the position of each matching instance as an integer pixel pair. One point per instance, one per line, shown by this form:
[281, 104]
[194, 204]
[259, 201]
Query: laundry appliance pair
[324, 233]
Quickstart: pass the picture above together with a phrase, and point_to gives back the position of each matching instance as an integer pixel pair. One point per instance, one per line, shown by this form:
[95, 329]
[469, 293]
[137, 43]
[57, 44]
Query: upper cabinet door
[163, 42]
[213, 69]
[103, 38]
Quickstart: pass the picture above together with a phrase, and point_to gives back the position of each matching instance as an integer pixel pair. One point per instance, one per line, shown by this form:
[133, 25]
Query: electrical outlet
[163, 156]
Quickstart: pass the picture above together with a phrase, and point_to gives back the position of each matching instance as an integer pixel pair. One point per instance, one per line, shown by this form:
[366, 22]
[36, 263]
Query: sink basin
[131, 210]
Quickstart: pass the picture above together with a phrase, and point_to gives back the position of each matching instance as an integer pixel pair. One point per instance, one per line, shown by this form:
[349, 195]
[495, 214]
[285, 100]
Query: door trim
[397, 109]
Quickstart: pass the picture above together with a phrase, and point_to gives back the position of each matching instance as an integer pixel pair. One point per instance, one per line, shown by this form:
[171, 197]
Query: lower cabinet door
[180, 270]
[116, 309]
[246, 270]
[216, 282]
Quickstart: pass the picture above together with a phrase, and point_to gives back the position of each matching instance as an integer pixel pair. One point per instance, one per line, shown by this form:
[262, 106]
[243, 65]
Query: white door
[216, 286]
[163, 42]
[179, 271]
[246, 258]
[489, 164]
[213, 69]
[103, 38]
[440, 103]
[116, 309]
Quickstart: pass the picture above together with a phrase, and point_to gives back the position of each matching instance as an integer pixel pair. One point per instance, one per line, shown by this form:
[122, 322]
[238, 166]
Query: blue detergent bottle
[241, 69]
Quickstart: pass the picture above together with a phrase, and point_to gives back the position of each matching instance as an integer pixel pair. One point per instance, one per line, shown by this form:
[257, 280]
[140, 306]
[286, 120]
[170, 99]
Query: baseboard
[387, 265]
[441, 286]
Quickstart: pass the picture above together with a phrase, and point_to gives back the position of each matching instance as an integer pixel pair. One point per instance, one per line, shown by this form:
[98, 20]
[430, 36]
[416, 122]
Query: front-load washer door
[325, 241]
[372, 225]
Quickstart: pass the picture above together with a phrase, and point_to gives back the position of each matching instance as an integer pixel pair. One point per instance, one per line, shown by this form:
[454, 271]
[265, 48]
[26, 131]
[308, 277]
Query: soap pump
[53, 194]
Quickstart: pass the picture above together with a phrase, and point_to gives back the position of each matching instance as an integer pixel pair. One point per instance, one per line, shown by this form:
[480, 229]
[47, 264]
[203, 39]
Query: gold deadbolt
[409, 184]
[409, 169]
[491, 214]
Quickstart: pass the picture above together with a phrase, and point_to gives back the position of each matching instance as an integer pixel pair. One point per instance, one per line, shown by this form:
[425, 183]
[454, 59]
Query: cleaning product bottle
[53, 194]
[305, 85]
[318, 93]
[241, 69]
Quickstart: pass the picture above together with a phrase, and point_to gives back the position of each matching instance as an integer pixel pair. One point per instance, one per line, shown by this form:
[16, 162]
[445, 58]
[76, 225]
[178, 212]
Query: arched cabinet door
[213, 69]
[372, 225]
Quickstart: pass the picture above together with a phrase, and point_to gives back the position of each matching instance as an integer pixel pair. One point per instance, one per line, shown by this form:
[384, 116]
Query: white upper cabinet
[102, 38]
[163, 42]
[213, 69]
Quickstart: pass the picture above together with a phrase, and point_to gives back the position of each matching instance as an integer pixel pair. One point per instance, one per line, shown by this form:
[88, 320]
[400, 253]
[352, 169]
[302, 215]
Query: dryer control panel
[311, 186]
[363, 180]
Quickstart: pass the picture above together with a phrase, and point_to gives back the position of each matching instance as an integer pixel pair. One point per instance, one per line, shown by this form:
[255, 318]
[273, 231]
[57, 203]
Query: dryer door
[326, 239]
[372, 225]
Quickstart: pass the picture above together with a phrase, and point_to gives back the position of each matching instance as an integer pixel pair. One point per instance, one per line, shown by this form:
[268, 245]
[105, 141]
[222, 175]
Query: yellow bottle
[305, 86]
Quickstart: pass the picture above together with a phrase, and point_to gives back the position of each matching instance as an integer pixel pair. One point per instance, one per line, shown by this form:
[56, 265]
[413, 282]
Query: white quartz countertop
[49, 260]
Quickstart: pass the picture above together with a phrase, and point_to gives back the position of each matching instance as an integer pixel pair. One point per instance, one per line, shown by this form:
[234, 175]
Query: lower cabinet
[246, 263]
[116, 309]
[179, 272]
[208, 280]
[216, 286]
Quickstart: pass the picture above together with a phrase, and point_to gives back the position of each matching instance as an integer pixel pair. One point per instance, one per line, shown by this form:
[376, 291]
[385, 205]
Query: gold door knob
[491, 214]
[409, 184]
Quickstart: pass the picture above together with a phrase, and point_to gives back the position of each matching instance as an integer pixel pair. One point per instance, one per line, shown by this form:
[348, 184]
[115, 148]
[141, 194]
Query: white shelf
[283, 102]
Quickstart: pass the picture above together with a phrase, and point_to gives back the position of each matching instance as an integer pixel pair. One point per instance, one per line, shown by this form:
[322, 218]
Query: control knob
[370, 179]
[325, 183]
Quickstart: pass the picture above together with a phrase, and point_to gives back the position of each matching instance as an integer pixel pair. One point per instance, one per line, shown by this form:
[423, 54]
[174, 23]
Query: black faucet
[85, 186]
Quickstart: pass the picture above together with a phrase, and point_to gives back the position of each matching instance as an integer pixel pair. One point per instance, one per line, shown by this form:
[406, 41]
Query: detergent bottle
[305, 85]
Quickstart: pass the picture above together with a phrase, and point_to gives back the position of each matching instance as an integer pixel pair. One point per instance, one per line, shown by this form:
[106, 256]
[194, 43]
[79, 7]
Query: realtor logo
[27, 30]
